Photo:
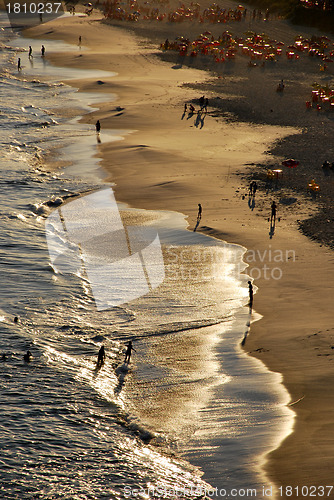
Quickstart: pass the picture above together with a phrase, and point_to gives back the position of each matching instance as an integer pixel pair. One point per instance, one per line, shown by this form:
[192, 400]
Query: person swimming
[27, 357]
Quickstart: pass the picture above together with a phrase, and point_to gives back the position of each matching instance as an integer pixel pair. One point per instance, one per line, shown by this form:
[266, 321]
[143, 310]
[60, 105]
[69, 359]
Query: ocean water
[192, 412]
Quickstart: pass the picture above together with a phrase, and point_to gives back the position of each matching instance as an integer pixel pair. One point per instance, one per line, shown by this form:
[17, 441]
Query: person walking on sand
[199, 214]
[43, 51]
[98, 126]
[254, 188]
[273, 212]
[101, 357]
[250, 290]
[129, 349]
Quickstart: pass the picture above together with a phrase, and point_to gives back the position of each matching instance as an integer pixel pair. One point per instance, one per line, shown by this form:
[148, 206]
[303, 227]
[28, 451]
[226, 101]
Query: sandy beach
[168, 162]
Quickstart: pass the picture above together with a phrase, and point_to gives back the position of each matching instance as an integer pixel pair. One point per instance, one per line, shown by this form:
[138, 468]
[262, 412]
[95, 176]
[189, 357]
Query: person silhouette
[129, 349]
[199, 214]
[273, 212]
[254, 187]
[98, 126]
[101, 357]
[250, 289]
[27, 357]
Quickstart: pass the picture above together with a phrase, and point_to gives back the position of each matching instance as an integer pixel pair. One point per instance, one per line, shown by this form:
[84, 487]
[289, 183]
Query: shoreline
[232, 229]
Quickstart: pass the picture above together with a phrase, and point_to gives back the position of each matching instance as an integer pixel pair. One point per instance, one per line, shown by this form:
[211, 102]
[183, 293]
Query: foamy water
[192, 411]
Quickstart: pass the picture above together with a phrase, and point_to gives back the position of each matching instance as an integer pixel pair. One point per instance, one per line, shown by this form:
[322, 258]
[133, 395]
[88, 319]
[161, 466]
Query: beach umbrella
[290, 163]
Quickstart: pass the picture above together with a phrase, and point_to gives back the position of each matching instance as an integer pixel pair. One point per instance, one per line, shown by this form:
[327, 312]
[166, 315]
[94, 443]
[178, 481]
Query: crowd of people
[254, 45]
[322, 97]
[148, 10]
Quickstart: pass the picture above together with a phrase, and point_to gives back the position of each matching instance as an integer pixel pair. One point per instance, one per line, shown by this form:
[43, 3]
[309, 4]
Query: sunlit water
[191, 411]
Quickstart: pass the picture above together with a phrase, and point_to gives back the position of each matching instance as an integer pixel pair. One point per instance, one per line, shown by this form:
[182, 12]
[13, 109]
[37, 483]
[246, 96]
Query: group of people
[27, 357]
[19, 65]
[257, 47]
[102, 355]
[252, 188]
[328, 166]
[149, 11]
[132, 10]
[203, 103]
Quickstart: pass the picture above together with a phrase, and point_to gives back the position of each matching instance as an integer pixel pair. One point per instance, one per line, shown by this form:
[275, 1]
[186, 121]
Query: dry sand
[166, 162]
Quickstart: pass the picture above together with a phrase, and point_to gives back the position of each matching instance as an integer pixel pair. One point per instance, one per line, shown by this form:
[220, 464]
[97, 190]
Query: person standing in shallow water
[101, 357]
[128, 352]
[27, 357]
[250, 289]
[43, 51]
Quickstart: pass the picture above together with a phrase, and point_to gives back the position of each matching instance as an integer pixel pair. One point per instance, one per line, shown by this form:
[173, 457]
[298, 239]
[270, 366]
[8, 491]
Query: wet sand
[166, 162]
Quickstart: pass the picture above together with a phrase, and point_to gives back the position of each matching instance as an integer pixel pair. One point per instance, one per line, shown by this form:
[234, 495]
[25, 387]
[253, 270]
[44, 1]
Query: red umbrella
[290, 163]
